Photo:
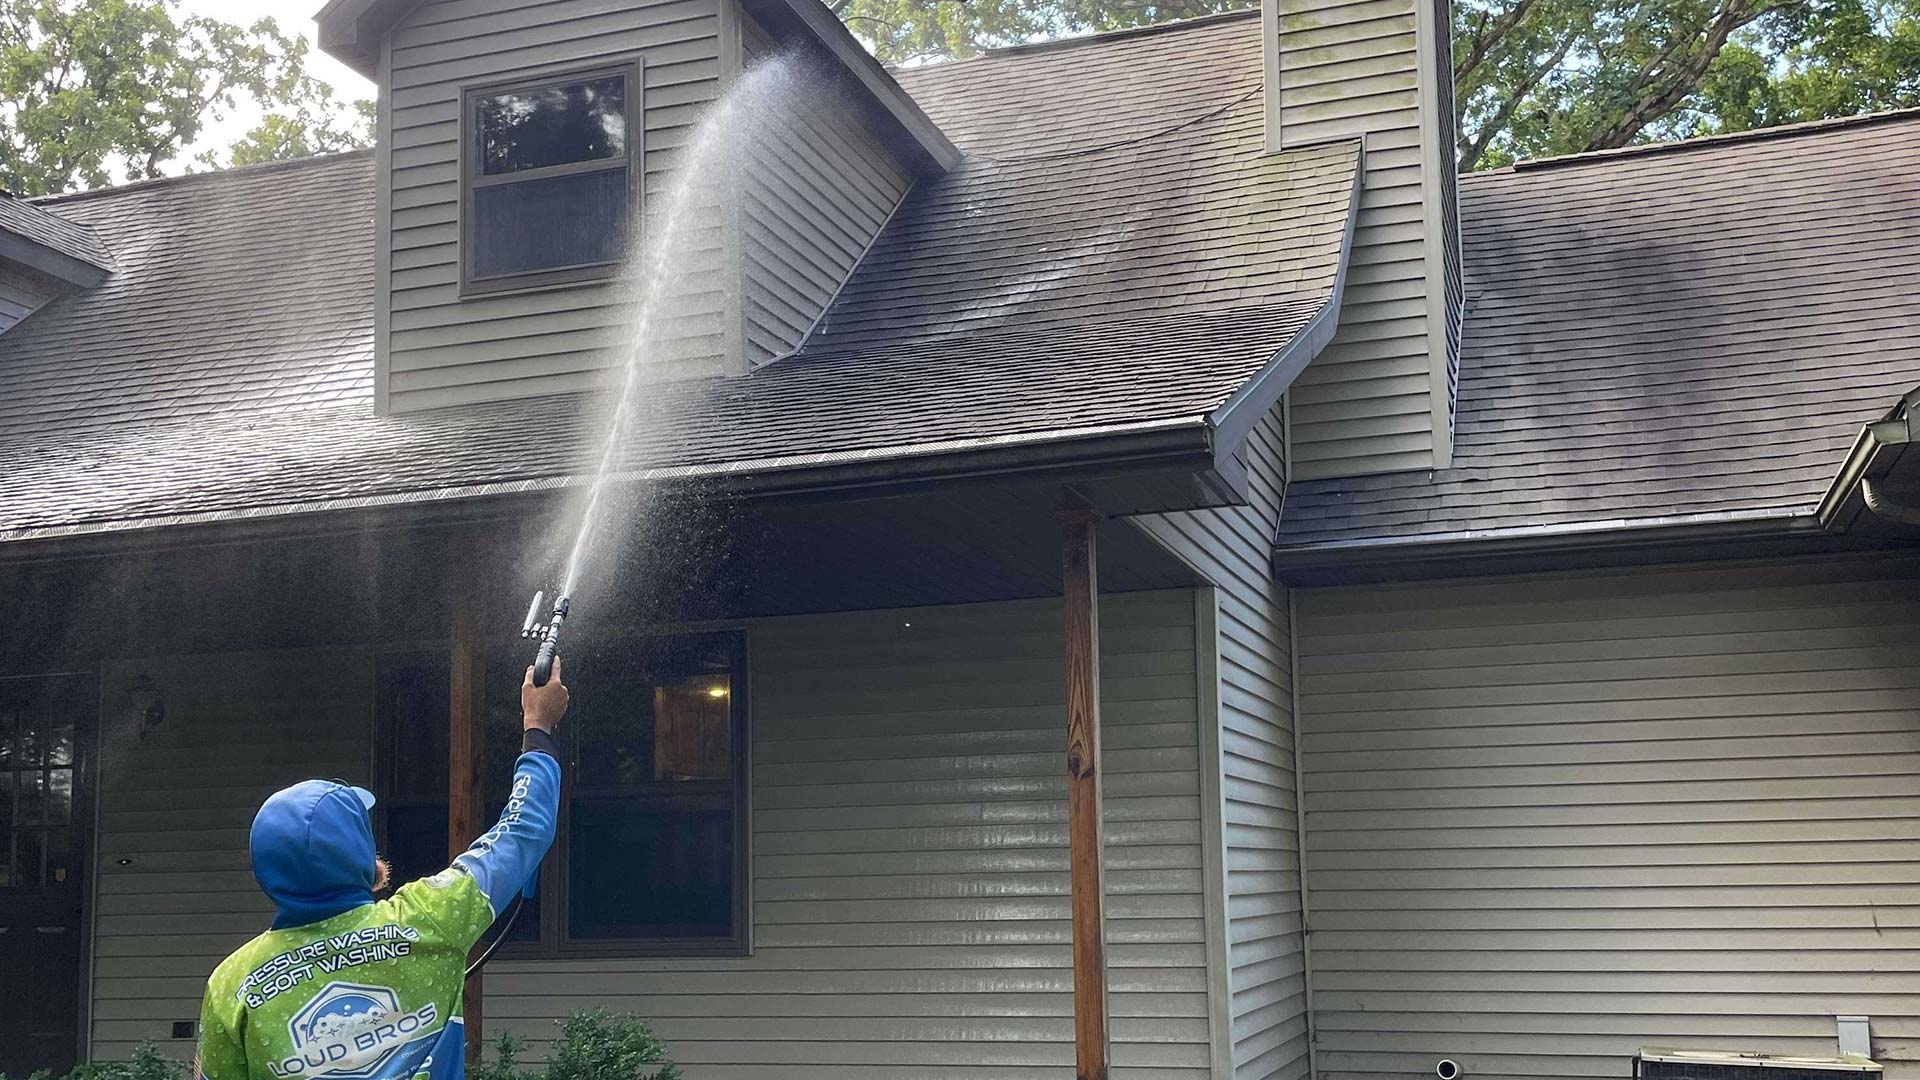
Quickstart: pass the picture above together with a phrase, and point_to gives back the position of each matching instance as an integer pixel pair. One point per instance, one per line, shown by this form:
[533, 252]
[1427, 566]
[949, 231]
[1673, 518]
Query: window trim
[633, 69]
[740, 942]
[552, 942]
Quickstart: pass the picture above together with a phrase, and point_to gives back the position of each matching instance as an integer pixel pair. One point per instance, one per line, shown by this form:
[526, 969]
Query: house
[1489, 604]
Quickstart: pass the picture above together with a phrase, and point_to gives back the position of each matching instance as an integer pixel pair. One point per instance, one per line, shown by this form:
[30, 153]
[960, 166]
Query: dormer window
[551, 176]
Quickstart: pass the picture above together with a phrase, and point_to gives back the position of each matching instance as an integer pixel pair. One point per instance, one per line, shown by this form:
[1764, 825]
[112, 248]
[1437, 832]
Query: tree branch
[1488, 37]
[1658, 90]
[1471, 148]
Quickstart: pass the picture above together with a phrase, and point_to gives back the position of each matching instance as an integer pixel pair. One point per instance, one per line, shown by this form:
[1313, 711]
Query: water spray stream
[705, 178]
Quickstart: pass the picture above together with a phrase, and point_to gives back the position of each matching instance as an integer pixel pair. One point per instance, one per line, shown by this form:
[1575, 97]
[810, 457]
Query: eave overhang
[351, 31]
[66, 254]
[1121, 470]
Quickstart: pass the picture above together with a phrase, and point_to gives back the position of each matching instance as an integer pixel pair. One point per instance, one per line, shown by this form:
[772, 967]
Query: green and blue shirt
[346, 987]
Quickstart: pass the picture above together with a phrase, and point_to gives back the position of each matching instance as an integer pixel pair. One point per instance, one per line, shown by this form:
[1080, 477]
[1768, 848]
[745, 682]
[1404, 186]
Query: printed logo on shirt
[348, 1031]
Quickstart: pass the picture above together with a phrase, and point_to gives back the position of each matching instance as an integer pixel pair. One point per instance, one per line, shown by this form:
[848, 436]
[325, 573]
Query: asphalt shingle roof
[227, 367]
[1665, 332]
[52, 231]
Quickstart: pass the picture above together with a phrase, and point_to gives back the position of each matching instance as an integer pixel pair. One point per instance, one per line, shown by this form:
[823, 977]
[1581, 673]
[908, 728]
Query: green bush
[593, 1045]
[505, 1063]
[147, 1064]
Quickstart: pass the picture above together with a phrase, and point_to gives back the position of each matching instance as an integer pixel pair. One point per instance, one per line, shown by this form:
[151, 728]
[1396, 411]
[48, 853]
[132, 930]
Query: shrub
[593, 1045]
[596, 1046]
[505, 1064]
[147, 1064]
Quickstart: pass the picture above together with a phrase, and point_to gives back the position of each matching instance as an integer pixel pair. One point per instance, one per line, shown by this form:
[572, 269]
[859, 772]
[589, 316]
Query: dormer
[43, 256]
[518, 140]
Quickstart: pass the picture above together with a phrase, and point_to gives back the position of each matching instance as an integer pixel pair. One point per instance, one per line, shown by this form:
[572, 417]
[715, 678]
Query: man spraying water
[347, 986]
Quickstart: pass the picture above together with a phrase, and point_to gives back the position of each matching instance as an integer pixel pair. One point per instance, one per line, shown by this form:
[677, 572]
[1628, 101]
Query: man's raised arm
[503, 859]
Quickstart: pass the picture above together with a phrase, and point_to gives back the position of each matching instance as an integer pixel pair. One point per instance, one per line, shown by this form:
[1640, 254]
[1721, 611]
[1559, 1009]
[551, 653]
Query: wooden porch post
[466, 775]
[1081, 581]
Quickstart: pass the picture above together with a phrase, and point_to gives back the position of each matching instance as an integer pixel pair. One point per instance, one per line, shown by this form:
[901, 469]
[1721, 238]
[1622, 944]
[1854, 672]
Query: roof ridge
[1708, 142]
[1000, 52]
[185, 178]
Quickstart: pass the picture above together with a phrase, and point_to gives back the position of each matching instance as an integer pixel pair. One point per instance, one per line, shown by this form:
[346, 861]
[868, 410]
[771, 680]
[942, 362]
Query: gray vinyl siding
[20, 296]
[1370, 401]
[1553, 819]
[441, 350]
[1448, 292]
[910, 892]
[817, 196]
[1265, 972]
[176, 804]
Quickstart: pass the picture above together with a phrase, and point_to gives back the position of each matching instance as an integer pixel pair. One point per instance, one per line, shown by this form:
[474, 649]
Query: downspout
[1882, 505]
[1300, 838]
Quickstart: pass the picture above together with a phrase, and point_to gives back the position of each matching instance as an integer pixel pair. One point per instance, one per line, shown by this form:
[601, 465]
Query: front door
[45, 724]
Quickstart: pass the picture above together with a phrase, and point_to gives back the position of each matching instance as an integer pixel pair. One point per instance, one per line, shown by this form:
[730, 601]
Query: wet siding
[815, 198]
[1265, 978]
[175, 806]
[1377, 400]
[910, 890]
[440, 350]
[1551, 820]
[910, 858]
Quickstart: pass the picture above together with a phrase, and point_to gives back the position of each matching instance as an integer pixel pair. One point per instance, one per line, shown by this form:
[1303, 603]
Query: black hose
[513, 912]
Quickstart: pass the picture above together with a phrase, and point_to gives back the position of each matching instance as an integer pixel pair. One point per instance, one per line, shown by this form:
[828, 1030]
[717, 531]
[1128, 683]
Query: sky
[291, 15]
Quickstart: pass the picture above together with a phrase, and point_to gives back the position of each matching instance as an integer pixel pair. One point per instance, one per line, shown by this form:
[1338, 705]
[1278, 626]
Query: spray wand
[546, 633]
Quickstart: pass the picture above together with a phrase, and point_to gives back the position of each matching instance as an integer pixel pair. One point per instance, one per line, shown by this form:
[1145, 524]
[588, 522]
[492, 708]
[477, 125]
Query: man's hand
[543, 706]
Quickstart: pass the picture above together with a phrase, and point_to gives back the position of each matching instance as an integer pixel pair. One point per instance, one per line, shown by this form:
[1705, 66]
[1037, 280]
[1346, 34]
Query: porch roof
[1096, 284]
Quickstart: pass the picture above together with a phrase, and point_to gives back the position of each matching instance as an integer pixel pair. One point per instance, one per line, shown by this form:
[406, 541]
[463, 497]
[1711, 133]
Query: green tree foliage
[93, 91]
[910, 31]
[1540, 77]
[1535, 78]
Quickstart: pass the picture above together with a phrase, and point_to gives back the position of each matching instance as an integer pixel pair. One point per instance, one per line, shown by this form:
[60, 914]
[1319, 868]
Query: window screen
[550, 174]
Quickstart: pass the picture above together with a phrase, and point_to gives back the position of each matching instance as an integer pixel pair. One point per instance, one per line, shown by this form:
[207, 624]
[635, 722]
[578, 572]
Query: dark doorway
[46, 729]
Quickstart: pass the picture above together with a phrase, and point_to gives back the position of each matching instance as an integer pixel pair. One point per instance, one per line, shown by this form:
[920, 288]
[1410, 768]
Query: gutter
[1860, 486]
[1078, 454]
[1545, 546]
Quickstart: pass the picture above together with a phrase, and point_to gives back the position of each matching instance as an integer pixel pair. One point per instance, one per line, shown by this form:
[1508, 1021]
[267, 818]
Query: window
[650, 856]
[39, 732]
[550, 170]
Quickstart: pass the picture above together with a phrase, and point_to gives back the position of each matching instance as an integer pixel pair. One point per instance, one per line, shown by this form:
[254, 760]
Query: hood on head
[312, 848]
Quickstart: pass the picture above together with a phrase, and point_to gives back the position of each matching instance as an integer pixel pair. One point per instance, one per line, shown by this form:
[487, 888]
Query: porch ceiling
[376, 579]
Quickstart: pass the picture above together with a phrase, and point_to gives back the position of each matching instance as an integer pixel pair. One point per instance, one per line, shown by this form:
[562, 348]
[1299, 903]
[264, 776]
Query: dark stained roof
[1162, 218]
[1694, 331]
[52, 232]
[238, 294]
[226, 369]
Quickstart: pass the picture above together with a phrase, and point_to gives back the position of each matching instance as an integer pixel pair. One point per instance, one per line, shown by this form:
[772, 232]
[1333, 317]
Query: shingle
[1665, 332]
[228, 365]
[52, 231]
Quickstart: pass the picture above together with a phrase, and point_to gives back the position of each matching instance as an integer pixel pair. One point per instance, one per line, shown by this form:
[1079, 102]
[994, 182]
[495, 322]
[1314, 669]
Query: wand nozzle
[547, 633]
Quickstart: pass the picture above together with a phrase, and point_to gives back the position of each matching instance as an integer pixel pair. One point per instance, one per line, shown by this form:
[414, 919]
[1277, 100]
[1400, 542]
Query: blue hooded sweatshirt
[346, 987]
[313, 853]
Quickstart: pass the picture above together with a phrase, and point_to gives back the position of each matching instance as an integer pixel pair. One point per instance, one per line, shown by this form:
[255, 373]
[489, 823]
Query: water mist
[662, 296]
